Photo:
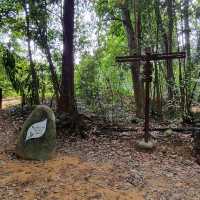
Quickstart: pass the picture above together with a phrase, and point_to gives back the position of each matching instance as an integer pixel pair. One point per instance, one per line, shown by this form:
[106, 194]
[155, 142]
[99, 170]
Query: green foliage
[87, 82]
[100, 81]
[9, 64]
[16, 71]
[98, 78]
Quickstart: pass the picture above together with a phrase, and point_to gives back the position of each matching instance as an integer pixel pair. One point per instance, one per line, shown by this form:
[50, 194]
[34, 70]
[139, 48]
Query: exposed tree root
[73, 124]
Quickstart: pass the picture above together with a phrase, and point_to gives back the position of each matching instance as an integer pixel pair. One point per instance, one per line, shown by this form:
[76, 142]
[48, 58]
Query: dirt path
[61, 178]
[10, 102]
[101, 168]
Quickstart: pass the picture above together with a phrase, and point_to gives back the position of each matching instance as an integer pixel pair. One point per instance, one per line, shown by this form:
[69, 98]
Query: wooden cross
[148, 69]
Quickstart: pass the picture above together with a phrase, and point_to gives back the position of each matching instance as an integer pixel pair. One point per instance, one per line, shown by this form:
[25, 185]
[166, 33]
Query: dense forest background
[66, 50]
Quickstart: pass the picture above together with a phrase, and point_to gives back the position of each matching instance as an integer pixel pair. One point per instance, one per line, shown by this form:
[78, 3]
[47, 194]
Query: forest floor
[99, 168]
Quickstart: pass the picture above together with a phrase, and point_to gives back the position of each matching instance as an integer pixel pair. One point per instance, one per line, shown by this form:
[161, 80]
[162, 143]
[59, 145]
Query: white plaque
[36, 130]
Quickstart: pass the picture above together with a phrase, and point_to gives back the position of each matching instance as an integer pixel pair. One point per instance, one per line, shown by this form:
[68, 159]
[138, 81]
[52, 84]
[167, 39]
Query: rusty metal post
[1, 97]
[148, 68]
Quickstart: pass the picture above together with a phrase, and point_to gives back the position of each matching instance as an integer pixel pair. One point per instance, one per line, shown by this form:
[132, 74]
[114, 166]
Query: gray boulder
[37, 139]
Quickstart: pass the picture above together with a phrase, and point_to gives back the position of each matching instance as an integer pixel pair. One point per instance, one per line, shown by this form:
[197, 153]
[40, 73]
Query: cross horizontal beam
[151, 57]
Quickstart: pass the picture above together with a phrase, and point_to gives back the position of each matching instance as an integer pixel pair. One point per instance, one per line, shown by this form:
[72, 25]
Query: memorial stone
[37, 139]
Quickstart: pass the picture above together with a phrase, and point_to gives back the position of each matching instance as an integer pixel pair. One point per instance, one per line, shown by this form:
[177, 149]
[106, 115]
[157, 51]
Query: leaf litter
[99, 167]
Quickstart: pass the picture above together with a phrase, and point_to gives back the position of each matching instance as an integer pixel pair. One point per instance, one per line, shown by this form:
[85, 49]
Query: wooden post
[148, 68]
[1, 97]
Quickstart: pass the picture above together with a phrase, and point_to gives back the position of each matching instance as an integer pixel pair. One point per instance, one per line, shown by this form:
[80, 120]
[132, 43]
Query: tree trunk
[133, 45]
[67, 100]
[157, 85]
[188, 51]
[1, 98]
[170, 73]
[158, 102]
[187, 30]
[198, 45]
[35, 85]
[196, 144]
[167, 41]
[54, 77]
[138, 32]
[42, 85]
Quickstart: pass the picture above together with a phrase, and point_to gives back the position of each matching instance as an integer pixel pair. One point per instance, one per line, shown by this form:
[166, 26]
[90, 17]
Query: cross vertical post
[148, 69]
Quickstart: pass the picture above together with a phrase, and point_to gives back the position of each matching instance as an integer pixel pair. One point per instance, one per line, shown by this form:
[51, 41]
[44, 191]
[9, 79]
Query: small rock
[173, 156]
[146, 145]
[168, 132]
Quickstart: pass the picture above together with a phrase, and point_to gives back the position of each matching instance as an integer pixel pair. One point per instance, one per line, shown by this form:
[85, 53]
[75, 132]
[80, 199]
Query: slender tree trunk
[138, 32]
[182, 92]
[188, 51]
[187, 29]
[1, 98]
[23, 99]
[43, 86]
[133, 42]
[185, 87]
[181, 82]
[170, 72]
[198, 45]
[157, 84]
[35, 84]
[157, 92]
[167, 41]
[54, 77]
[67, 100]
